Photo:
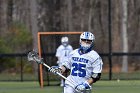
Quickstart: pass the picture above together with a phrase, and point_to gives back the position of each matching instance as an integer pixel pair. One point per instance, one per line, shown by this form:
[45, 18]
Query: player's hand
[83, 87]
[55, 69]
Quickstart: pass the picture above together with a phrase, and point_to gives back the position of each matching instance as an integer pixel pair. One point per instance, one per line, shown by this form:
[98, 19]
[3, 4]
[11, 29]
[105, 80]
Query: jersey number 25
[78, 70]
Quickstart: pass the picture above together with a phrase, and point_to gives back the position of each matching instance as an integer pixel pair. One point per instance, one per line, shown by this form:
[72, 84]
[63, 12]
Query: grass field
[132, 86]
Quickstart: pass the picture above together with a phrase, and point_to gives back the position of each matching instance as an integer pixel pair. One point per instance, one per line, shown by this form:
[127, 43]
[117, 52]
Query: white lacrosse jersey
[82, 66]
[63, 53]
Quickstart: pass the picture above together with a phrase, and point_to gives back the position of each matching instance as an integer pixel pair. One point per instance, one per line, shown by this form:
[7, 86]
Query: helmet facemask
[86, 45]
[86, 41]
[65, 44]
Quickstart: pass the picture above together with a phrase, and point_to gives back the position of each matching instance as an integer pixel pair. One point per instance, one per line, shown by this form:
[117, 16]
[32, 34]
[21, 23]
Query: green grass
[132, 86]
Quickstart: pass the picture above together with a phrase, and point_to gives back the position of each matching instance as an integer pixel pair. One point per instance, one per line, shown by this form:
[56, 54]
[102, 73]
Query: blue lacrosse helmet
[86, 41]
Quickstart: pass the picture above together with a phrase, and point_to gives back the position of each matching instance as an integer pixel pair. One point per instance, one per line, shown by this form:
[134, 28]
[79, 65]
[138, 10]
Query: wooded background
[20, 20]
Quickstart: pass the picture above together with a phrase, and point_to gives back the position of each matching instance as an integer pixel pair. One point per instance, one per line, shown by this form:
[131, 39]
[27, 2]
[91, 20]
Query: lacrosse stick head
[33, 56]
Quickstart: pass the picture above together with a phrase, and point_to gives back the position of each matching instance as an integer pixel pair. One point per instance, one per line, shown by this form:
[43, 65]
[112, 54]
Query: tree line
[20, 20]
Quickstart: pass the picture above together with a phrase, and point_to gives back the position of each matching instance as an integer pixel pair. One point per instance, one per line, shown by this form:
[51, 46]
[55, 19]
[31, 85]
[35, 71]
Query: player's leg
[62, 82]
[69, 89]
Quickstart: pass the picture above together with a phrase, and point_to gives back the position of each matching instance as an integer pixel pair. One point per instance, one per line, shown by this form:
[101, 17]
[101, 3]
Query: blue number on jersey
[78, 70]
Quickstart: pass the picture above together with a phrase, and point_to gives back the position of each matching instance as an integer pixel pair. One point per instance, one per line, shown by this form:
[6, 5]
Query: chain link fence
[15, 67]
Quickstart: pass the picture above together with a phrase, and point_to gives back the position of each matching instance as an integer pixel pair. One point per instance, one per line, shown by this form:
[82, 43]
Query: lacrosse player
[62, 53]
[85, 66]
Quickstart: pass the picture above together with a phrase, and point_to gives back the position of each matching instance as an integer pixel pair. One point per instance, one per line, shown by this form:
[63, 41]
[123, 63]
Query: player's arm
[95, 77]
[64, 69]
[97, 69]
[58, 60]
[58, 54]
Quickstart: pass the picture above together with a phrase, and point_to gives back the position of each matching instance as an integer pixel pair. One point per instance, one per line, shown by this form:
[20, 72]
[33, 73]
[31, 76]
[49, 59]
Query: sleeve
[58, 52]
[71, 48]
[97, 65]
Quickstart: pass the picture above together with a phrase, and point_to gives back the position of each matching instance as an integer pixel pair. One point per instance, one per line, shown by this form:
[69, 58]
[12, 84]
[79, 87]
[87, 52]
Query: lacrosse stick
[33, 56]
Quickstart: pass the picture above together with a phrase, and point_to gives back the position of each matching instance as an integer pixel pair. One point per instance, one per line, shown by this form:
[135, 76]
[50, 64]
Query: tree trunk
[124, 36]
[34, 28]
[69, 3]
[3, 16]
[90, 16]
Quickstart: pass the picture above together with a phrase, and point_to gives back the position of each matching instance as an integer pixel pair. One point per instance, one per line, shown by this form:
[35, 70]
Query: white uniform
[63, 53]
[82, 67]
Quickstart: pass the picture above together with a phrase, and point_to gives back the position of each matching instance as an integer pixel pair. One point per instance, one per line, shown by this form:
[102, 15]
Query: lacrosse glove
[55, 69]
[83, 87]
